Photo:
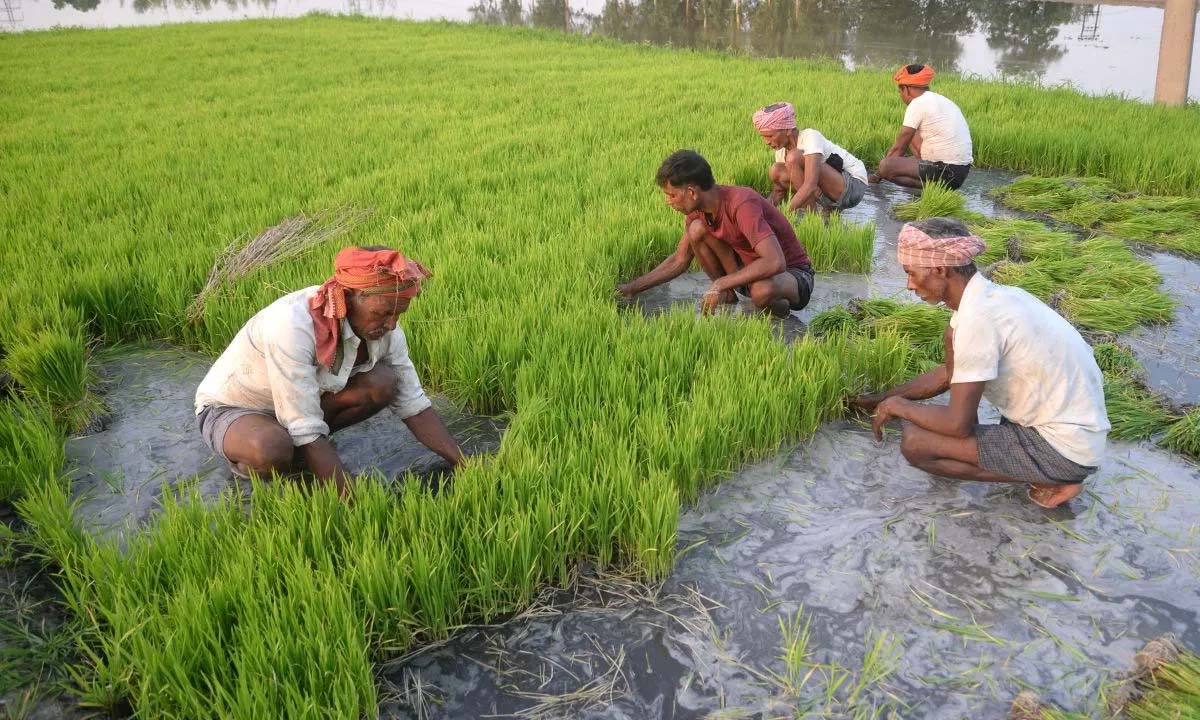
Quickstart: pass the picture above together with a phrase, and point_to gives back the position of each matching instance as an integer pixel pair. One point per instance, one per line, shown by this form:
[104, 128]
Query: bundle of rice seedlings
[1184, 434]
[1040, 194]
[1173, 691]
[836, 319]
[936, 200]
[1134, 412]
[289, 239]
[1115, 359]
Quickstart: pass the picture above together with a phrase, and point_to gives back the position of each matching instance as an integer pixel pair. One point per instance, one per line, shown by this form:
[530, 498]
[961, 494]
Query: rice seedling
[797, 656]
[132, 156]
[837, 246]
[1134, 412]
[1117, 360]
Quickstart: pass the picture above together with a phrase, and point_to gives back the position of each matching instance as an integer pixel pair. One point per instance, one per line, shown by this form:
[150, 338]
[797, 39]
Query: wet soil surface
[984, 593]
[36, 642]
[151, 444]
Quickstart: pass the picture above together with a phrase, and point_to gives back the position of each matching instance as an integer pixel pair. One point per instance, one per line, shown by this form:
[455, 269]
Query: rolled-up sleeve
[410, 396]
[292, 372]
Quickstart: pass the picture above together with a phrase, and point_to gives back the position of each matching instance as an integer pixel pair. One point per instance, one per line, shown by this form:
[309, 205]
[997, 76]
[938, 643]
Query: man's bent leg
[778, 295]
[258, 443]
[903, 171]
[781, 182]
[364, 395]
[945, 456]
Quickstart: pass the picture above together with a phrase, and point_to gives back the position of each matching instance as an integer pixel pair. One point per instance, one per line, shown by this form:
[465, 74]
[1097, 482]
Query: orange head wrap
[905, 75]
[376, 272]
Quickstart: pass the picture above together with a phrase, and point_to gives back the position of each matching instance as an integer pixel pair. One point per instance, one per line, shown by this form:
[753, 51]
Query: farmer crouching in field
[741, 241]
[824, 176]
[1005, 345]
[314, 362]
[936, 131]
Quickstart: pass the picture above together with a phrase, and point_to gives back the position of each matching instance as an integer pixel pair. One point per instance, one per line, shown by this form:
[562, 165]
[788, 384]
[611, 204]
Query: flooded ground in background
[1096, 48]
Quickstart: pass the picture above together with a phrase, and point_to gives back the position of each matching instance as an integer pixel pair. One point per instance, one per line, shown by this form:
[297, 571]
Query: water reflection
[877, 33]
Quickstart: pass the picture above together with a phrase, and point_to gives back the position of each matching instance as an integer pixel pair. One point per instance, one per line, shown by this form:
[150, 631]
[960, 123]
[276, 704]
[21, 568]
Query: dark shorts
[804, 286]
[952, 175]
[215, 420]
[1021, 452]
[851, 196]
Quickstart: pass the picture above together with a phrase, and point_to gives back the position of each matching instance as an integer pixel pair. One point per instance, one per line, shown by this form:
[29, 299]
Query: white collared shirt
[945, 136]
[1036, 368]
[272, 365]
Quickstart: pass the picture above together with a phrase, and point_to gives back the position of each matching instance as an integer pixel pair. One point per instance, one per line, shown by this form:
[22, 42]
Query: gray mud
[150, 443]
[985, 593]
[1169, 352]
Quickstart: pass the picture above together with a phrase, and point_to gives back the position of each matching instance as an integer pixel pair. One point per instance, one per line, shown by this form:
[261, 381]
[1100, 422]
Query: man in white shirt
[1011, 348]
[825, 177]
[316, 361]
[936, 131]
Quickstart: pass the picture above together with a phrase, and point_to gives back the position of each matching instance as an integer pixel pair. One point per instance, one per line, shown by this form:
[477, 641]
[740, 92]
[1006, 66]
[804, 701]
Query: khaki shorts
[215, 420]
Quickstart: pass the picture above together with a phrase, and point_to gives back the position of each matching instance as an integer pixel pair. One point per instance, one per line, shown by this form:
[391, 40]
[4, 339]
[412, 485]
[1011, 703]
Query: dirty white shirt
[812, 142]
[272, 365]
[1036, 368]
[945, 136]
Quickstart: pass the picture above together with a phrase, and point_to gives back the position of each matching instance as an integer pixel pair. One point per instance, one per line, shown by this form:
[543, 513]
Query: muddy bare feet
[1051, 496]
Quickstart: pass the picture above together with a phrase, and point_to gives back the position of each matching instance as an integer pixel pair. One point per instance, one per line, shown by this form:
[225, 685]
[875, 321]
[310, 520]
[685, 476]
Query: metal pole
[1175, 52]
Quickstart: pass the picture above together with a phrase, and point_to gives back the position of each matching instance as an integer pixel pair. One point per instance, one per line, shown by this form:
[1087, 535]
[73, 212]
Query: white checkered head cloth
[916, 249]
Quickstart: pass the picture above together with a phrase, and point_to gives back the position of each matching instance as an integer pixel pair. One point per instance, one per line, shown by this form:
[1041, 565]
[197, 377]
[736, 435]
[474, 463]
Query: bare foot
[1051, 496]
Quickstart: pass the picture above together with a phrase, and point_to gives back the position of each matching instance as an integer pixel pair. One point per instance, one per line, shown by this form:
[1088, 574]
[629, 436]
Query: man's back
[945, 136]
[746, 218]
[1038, 371]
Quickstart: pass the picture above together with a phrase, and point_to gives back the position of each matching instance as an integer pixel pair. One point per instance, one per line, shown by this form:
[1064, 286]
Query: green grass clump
[1174, 692]
[1133, 411]
[936, 200]
[836, 319]
[31, 447]
[1043, 194]
[1184, 434]
[837, 246]
[1116, 360]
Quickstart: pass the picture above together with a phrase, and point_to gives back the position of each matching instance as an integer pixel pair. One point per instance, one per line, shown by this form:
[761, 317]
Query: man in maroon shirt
[742, 242]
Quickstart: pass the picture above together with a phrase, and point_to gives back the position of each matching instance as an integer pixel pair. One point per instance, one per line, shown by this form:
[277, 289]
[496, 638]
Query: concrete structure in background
[1175, 52]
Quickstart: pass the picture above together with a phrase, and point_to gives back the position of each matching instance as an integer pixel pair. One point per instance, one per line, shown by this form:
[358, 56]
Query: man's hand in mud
[713, 296]
[889, 409]
[625, 291]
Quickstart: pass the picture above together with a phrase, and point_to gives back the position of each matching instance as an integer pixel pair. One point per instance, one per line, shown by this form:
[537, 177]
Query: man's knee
[886, 168]
[763, 293]
[911, 446]
[380, 386]
[271, 452]
[697, 233]
[779, 174]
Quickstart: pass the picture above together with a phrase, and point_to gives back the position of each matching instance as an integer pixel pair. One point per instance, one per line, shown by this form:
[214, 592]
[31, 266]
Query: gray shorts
[805, 279]
[851, 196]
[215, 420]
[1021, 452]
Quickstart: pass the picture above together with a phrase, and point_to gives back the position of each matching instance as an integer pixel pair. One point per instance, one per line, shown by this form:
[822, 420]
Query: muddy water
[1169, 352]
[150, 443]
[867, 545]
[1092, 47]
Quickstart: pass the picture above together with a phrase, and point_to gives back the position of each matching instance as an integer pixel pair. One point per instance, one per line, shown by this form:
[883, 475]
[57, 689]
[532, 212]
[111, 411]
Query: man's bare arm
[903, 140]
[806, 191]
[922, 387]
[428, 428]
[324, 462]
[672, 267]
[954, 420]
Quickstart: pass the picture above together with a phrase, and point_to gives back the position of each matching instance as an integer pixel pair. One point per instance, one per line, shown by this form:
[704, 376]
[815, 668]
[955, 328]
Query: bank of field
[518, 166]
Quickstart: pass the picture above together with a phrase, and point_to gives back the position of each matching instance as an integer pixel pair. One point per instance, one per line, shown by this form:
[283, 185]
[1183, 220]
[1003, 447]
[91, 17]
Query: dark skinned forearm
[324, 462]
[427, 427]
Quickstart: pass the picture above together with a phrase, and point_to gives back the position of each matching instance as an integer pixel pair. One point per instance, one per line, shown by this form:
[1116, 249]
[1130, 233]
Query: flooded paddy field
[630, 440]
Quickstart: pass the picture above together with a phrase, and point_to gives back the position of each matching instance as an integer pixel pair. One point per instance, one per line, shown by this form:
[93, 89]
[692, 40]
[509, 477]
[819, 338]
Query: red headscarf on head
[773, 118]
[922, 77]
[378, 272]
[916, 249]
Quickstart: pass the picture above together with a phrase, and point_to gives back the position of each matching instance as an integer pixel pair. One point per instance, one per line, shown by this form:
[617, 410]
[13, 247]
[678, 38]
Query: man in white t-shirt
[825, 177]
[934, 129]
[1005, 345]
